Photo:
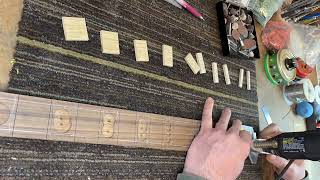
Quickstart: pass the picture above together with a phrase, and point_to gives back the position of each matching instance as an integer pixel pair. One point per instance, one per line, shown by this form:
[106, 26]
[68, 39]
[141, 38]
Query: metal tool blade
[266, 115]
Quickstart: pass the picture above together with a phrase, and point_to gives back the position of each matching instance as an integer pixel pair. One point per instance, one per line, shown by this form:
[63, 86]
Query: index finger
[206, 122]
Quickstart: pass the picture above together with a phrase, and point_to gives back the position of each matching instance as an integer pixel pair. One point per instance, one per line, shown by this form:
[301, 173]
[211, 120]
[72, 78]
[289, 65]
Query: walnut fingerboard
[38, 118]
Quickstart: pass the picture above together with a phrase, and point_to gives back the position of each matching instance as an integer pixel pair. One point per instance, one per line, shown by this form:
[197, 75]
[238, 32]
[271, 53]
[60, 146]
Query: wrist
[204, 173]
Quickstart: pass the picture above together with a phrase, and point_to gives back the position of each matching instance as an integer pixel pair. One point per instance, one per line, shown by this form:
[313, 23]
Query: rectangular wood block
[192, 63]
[226, 74]
[241, 73]
[201, 64]
[75, 29]
[110, 42]
[215, 73]
[248, 81]
[167, 55]
[141, 50]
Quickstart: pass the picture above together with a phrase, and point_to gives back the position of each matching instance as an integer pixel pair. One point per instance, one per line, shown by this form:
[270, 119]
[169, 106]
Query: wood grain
[34, 118]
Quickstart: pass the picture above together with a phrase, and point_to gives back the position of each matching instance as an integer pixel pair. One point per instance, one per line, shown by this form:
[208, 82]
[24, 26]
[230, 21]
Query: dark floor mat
[50, 67]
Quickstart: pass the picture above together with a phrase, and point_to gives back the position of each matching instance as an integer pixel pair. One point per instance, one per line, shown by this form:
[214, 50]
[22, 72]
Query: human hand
[296, 171]
[218, 153]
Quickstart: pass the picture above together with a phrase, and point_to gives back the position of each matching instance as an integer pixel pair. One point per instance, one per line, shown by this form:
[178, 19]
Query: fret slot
[32, 118]
[143, 129]
[156, 131]
[127, 128]
[167, 130]
[182, 133]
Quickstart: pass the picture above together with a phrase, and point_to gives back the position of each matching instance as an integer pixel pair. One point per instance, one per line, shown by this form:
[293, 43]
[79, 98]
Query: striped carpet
[48, 66]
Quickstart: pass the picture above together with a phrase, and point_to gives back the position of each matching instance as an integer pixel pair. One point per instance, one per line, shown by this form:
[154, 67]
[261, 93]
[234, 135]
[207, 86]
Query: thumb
[278, 162]
[270, 131]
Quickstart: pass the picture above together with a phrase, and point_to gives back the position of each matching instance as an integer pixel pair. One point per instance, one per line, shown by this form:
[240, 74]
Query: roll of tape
[303, 91]
[308, 90]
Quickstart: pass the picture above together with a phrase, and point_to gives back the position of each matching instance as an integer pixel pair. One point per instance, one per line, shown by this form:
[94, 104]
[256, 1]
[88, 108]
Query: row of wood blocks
[75, 30]
[227, 77]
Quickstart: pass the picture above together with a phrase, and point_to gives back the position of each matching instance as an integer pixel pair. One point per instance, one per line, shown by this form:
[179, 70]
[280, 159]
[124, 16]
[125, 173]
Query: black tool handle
[299, 145]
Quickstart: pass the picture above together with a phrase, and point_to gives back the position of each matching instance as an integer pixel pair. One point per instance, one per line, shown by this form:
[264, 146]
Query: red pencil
[191, 9]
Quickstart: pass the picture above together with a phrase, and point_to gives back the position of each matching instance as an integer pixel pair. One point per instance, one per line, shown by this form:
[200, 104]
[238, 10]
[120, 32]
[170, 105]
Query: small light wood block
[226, 74]
[215, 74]
[141, 50]
[201, 64]
[241, 74]
[192, 63]
[167, 55]
[110, 42]
[75, 29]
[248, 81]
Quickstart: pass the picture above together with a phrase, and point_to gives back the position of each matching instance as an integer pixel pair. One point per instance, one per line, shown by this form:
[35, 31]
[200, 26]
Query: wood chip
[75, 29]
[141, 50]
[109, 42]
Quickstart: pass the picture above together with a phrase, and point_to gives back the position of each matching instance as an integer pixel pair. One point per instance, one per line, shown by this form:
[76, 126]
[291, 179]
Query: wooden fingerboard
[38, 118]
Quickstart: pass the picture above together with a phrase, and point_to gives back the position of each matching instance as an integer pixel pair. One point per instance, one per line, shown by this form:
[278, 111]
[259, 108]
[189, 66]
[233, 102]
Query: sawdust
[10, 15]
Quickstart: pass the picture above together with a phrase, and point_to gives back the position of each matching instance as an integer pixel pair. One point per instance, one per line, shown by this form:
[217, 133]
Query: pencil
[191, 9]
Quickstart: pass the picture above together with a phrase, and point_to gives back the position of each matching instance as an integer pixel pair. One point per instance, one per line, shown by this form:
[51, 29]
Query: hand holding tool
[291, 145]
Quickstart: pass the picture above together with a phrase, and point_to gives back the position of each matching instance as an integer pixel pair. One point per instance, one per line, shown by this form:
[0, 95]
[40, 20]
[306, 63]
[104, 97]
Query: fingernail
[210, 99]
[271, 157]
